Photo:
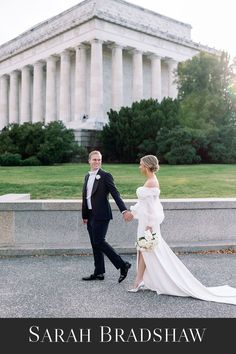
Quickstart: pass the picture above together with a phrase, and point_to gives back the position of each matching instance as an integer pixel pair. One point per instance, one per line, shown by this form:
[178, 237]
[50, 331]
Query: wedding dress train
[164, 272]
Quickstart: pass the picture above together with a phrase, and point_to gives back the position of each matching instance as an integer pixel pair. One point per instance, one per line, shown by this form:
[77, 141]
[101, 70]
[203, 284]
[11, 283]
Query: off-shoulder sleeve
[135, 210]
[148, 210]
[154, 212]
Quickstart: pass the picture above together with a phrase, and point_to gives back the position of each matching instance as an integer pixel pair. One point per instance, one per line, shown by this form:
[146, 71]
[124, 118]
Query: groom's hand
[127, 215]
[85, 221]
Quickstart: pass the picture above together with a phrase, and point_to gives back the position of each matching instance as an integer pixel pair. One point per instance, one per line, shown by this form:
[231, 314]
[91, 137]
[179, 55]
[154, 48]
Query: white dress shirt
[91, 179]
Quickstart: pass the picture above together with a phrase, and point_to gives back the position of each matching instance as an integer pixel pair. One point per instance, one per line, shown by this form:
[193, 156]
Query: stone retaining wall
[50, 226]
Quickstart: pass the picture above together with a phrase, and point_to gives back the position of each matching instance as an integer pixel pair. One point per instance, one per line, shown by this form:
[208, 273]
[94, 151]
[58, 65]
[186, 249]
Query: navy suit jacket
[102, 187]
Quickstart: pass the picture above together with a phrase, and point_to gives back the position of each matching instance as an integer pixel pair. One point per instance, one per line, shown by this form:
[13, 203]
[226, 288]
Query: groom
[96, 214]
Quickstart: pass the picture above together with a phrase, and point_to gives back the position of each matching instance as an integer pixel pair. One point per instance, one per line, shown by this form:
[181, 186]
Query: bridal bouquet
[147, 242]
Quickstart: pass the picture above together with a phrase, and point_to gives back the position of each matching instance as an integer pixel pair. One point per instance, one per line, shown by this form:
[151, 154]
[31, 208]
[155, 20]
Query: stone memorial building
[97, 55]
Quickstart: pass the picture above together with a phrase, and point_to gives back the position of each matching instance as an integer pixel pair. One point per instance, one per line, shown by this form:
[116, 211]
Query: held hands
[128, 216]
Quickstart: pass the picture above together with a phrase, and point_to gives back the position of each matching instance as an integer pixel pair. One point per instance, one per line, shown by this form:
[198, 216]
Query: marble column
[65, 94]
[172, 85]
[156, 77]
[80, 82]
[117, 77]
[137, 75]
[96, 84]
[38, 89]
[25, 115]
[14, 97]
[3, 101]
[51, 90]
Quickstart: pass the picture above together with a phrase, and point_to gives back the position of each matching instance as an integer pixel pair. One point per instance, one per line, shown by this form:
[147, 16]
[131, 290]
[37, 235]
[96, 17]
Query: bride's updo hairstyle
[151, 162]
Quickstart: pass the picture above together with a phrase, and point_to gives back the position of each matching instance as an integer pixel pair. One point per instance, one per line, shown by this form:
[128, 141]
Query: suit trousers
[97, 230]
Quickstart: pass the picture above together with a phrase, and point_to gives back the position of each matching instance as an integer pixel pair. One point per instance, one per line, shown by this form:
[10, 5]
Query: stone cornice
[48, 29]
[113, 11]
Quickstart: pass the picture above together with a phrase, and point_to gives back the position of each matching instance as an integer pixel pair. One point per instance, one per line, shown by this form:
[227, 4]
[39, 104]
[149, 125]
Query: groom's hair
[93, 153]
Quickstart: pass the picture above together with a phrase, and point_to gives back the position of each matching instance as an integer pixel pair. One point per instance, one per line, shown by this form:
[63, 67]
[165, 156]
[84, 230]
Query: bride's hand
[149, 228]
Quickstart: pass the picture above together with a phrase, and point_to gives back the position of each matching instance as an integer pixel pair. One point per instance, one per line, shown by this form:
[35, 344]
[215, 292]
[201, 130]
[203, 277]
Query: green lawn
[65, 181]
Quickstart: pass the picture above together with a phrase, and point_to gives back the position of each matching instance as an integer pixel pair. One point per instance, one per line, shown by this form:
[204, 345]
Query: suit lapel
[85, 185]
[95, 185]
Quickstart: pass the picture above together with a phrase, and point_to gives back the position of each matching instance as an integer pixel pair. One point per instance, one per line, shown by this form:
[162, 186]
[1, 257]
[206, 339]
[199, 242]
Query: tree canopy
[205, 90]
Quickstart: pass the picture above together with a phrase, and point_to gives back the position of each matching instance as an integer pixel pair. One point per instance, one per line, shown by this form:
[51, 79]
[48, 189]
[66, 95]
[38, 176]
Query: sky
[213, 22]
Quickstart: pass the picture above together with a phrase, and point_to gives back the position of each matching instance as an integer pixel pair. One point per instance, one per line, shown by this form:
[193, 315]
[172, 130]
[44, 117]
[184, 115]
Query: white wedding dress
[164, 272]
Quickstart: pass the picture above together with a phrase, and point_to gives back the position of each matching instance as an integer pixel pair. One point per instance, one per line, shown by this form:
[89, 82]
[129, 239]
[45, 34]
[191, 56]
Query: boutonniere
[98, 177]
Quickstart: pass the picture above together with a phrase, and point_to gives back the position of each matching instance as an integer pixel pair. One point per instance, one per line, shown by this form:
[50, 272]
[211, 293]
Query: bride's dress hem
[165, 273]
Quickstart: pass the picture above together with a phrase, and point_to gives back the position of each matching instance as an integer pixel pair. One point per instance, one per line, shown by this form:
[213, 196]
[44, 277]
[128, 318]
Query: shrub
[81, 155]
[222, 145]
[59, 144]
[180, 145]
[9, 159]
[52, 143]
[185, 154]
[31, 161]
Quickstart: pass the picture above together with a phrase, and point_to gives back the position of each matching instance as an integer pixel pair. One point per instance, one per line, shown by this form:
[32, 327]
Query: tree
[199, 126]
[131, 132]
[204, 83]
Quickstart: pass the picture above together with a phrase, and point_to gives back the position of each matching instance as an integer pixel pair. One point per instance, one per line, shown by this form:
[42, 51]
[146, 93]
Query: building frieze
[115, 11]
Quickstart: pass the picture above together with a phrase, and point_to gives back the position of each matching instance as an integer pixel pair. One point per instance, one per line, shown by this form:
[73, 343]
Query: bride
[160, 269]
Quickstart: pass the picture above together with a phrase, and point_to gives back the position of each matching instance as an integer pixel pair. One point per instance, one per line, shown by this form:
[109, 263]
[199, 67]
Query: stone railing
[55, 226]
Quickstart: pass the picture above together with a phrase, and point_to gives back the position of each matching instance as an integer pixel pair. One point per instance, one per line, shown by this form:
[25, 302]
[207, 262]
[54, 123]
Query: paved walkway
[51, 286]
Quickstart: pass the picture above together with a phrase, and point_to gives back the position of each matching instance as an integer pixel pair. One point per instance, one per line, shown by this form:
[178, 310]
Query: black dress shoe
[94, 277]
[124, 272]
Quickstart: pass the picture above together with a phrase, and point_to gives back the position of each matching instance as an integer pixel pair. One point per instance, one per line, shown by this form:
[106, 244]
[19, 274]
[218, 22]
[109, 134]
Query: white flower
[98, 177]
[147, 242]
[142, 243]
